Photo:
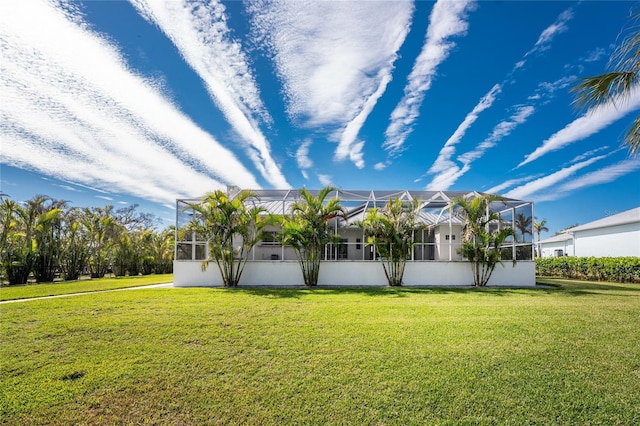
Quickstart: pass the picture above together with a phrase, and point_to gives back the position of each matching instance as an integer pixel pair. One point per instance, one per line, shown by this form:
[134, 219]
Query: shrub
[618, 269]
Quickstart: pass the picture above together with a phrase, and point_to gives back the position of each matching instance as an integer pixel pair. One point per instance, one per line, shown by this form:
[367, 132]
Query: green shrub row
[617, 269]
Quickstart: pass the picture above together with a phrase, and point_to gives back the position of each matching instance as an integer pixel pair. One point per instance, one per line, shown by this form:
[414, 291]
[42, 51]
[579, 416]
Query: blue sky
[146, 101]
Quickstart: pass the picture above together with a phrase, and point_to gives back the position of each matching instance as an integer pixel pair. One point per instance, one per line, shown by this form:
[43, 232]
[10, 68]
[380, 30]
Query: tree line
[44, 238]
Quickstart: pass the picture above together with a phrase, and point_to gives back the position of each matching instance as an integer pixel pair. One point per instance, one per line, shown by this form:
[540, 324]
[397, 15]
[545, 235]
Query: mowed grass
[383, 356]
[68, 287]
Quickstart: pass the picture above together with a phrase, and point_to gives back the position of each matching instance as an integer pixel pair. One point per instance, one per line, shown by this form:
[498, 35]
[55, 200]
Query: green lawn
[68, 287]
[568, 354]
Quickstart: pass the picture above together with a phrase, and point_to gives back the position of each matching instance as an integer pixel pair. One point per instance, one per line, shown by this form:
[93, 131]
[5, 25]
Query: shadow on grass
[571, 288]
[298, 292]
[581, 288]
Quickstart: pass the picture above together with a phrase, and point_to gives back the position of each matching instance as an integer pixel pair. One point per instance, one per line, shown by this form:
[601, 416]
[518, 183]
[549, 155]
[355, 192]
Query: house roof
[434, 204]
[557, 238]
[629, 216]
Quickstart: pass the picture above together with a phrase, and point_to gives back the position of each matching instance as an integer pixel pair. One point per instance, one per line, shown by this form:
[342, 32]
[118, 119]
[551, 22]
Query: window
[337, 251]
[358, 243]
[270, 238]
[343, 249]
[450, 237]
[201, 251]
[184, 251]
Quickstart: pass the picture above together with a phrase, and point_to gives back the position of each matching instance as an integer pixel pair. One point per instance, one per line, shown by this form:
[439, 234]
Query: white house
[612, 236]
[434, 261]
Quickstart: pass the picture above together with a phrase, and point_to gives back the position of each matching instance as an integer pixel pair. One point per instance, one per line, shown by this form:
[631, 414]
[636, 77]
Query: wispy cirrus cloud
[444, 162]
[528, 190]
[558, 27]
[334, 59]
[590, 123]
[547, 90]
[73, 110]
[200, 32]
[445, 169]
[380, 166]
[447, 20]
[598, 177]
[500, 131]
[67, 187]
[595, 55]
[325, 180]
[497, 189]
[302, 158]
[449, 175]
[588, 154]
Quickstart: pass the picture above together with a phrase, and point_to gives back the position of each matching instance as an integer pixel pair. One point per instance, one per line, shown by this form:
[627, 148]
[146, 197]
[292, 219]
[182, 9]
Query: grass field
[567, 354]
[80, 286]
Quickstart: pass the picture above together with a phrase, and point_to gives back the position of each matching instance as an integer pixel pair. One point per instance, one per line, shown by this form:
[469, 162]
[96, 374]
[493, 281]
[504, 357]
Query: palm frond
[627, 54]
[632, 138]
[599, 90]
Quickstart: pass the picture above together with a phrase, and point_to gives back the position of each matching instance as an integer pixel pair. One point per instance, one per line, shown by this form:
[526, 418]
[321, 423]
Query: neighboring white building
[434, 261]
[612, 236]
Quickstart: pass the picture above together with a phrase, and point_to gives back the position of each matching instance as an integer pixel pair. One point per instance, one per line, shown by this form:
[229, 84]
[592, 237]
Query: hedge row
[617, 269]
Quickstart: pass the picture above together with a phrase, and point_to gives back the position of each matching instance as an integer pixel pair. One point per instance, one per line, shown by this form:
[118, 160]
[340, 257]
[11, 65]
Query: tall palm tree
[103, 230]
[12, 255]
[162, 250]
[306, 230]
[74, 252]
[49, 218]
[480, 246]
[476, 214]
[27, 236]
[617, 84]
[7, 223]
[231, 229]
[538, 227]
[523, 223]
[391, 229]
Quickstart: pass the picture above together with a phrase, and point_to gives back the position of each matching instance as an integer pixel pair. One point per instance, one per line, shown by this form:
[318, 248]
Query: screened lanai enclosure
[434, 259]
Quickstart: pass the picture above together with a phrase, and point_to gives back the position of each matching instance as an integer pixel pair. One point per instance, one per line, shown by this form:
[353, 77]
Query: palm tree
[103, 230]
[476, 213]
[49, 218]
[161, 250]
[7, 223]
[391, 229]
[480, 246]
[538, 227]
[74, 253]
[28, 239]
[523, 224]
[618, 84]
[306, 230]
[126, 253]
[230, 228]
[15, 260]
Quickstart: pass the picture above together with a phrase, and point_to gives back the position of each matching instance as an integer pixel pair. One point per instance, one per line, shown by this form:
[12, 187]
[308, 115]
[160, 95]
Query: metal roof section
[557, 238]
[629, 216]
[434, 204]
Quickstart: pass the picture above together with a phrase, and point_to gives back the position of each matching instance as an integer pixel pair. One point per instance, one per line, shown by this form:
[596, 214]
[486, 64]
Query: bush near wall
[617, 269]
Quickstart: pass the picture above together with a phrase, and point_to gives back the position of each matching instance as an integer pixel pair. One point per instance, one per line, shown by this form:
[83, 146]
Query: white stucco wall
[549, 249]
[354, 273]
[448, 249]
[612, 241]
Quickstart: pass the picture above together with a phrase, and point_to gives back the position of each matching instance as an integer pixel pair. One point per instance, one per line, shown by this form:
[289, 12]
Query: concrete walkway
[165, 285]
